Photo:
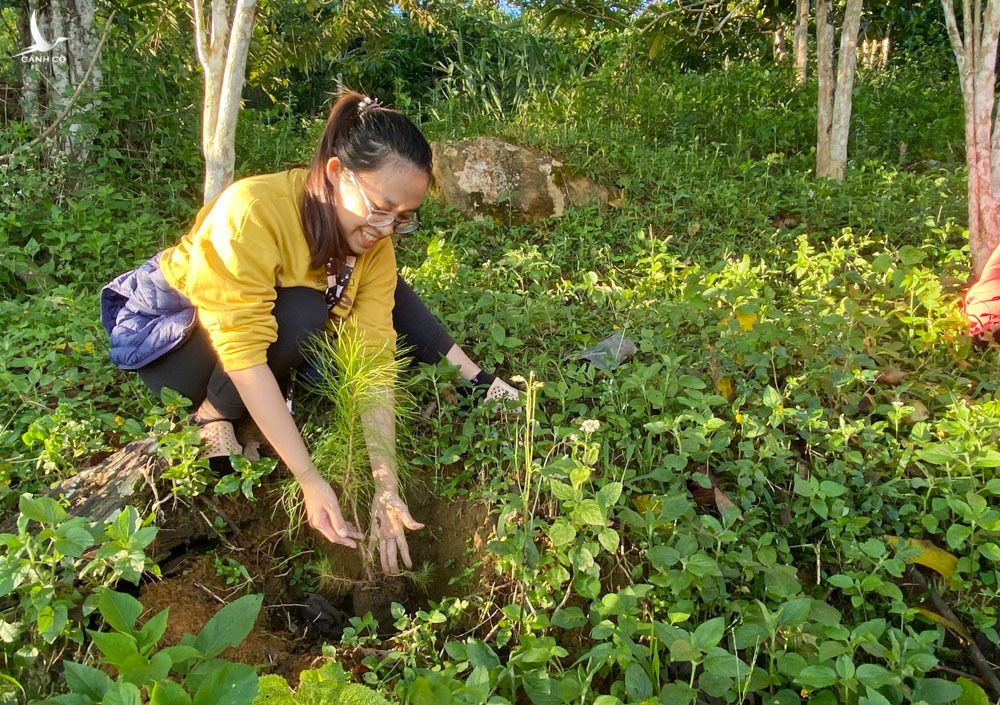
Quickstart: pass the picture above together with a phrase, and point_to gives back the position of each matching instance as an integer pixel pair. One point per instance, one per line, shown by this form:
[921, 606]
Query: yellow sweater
[248, 241]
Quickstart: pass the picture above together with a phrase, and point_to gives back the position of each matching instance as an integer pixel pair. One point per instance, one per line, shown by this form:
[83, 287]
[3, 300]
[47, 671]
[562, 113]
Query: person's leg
[186, 369]
[420, 329]
[300, 313]
[193, 369]
[430, 341]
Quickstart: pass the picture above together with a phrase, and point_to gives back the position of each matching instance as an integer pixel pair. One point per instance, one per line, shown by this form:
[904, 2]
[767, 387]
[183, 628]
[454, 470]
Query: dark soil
[292, 626]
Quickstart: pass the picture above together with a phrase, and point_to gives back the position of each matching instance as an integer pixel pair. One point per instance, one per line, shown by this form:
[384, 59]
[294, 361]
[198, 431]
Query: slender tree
[836, 92]
[222, 45]
[801, 40]
[975, 48]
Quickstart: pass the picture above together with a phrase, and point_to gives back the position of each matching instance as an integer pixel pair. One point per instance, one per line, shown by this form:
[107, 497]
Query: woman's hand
[323, 511]
[390, 517]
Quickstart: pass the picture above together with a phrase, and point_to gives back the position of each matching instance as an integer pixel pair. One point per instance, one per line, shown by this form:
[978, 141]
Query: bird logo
[41, 43]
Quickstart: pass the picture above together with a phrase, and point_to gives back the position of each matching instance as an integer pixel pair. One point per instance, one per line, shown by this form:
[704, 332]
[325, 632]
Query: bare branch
[199, 33]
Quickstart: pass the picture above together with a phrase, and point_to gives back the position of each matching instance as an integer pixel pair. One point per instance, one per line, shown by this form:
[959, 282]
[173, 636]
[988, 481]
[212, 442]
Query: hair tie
[368, 104]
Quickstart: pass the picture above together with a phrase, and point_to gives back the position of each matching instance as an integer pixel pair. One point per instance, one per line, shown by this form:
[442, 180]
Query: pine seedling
[354, 380]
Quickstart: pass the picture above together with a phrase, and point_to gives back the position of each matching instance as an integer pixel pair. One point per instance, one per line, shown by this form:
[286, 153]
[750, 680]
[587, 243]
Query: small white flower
[589, 426]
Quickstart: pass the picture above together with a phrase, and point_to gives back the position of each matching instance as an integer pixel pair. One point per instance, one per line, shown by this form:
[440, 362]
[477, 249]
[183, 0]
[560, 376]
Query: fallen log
[131, 476]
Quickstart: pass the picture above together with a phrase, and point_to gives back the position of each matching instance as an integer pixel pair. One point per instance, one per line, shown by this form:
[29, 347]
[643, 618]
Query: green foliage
[51, 570]
[179, 444]
[328, 684]
[798, 340]
[246, 476]
[189, 672]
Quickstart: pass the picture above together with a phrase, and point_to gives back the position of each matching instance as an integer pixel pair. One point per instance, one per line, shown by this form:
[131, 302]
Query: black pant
[193, 369]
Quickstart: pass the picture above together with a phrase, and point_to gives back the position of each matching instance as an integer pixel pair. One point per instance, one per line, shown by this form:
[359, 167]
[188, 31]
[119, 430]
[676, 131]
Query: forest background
[787, 494]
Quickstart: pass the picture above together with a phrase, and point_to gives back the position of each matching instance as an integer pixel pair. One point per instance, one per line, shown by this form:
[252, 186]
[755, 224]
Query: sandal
[218, 439]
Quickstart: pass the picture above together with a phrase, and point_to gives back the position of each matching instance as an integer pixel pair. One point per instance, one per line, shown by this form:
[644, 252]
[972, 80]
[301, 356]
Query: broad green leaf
[937, 691]
[44, 510]
[771, 398]
[957, 534]
[117, 648]
[875, 676]
[675, 507]
[578, 475]
[683, 650]
[72, 540]
[119, 610]
[873, 697]
[816, 676]
[702, 565]
[638, 686]
[229, 626]
[87, 680]
[561, 532]
[562, 491]
[609, 539]
[152, 631]
[607, 700]
[122, 693]
[228, 684]
[972, 693]
[663, 558]
[569, 618]
[181, 653]
[167, 692]
[709, 634]
[990, 550]
[795, 612]
[829, 488]
[588, 511]
[608, 495]
[51, 620]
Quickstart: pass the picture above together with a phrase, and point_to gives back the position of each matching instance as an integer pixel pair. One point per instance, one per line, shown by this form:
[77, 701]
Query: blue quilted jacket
[145, 317]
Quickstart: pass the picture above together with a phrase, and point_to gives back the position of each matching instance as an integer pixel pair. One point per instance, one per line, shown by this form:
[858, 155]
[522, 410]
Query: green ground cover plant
[734, 514]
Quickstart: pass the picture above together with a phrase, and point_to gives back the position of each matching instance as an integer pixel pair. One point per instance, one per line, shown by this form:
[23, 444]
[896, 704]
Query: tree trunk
[824, 77]
[222, 52]
[801, 40]
[779, 51]
[976, 53]
[48, 79]
[844, 94]
[833, 113]
[32, 84]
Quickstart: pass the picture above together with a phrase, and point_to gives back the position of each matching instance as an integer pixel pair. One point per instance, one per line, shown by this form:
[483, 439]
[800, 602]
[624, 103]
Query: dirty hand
[390, 517]
[323, 511]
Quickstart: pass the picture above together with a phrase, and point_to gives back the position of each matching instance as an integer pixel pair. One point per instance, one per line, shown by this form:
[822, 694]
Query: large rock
[488, 177]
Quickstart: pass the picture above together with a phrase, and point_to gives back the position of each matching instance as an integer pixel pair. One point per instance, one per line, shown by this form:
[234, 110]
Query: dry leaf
[945, 622]
[930, 556]
[724, 386]
[746, 320]
[722, 503]
[891, 376]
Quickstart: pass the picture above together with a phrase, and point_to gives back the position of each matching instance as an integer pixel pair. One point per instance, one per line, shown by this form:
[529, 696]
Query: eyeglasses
[379, 219]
